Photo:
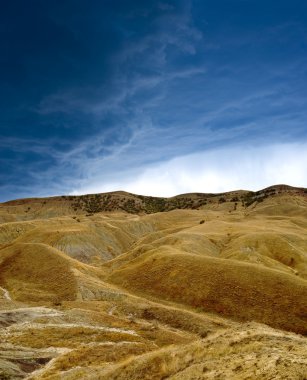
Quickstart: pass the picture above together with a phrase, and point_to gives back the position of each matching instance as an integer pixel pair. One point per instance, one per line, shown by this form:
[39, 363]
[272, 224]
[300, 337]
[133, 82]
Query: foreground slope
[238, 290]
[120, 286]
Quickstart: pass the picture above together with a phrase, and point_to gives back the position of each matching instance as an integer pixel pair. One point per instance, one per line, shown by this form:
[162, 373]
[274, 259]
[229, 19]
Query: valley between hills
[123, 286]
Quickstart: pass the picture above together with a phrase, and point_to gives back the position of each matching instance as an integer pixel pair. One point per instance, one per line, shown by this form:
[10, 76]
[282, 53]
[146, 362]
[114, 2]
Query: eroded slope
[173, 294]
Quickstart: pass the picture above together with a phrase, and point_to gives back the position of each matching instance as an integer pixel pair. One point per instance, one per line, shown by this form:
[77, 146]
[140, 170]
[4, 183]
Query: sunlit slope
[44, 208]
[89, 335]
[243, 264]
[291, 204]
[86, 239]
[231, 288]
[89, 239]
[36, 272]
[277, 243]
[250, 351]
[154, 287]
[120, 201]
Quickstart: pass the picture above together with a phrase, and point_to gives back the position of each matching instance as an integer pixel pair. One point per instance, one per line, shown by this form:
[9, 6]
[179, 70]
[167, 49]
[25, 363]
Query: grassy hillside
[36, 272]
[122, 286]
[230, 288]
[90, 204]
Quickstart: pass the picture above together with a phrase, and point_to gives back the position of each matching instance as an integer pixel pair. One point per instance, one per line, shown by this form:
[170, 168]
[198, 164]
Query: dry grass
[34, 272]
[253, 351]
[69, 337]
[231, 288]
[154, 296]
[97, 355]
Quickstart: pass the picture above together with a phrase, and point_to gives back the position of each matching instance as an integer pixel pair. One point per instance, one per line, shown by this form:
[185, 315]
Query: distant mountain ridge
[141, 204]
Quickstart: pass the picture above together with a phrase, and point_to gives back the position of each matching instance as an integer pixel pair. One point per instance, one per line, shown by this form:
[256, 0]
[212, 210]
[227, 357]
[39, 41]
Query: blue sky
[153, 97]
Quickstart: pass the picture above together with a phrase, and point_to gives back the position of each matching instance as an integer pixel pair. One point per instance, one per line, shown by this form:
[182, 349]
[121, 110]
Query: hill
[124, 286]
[35, 208]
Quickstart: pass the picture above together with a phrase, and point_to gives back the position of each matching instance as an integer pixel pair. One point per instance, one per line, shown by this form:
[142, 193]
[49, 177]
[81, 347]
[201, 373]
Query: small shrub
[202, 222]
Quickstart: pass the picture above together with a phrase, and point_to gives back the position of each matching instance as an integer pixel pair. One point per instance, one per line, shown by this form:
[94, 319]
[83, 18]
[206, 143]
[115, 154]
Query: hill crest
[121, 201]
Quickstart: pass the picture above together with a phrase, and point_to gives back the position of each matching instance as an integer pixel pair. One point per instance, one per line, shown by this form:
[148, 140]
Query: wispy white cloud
[171, 116]
[214, 171]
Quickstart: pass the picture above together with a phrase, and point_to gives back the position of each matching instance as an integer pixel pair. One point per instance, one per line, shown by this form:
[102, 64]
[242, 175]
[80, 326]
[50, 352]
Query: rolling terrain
[123, 286]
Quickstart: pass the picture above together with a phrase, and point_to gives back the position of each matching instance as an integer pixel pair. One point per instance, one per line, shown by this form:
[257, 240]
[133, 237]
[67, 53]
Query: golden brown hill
[122, 286]
[230, 288]
[34, 272]
[97, 238]
[89, 204]
[250, 351]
